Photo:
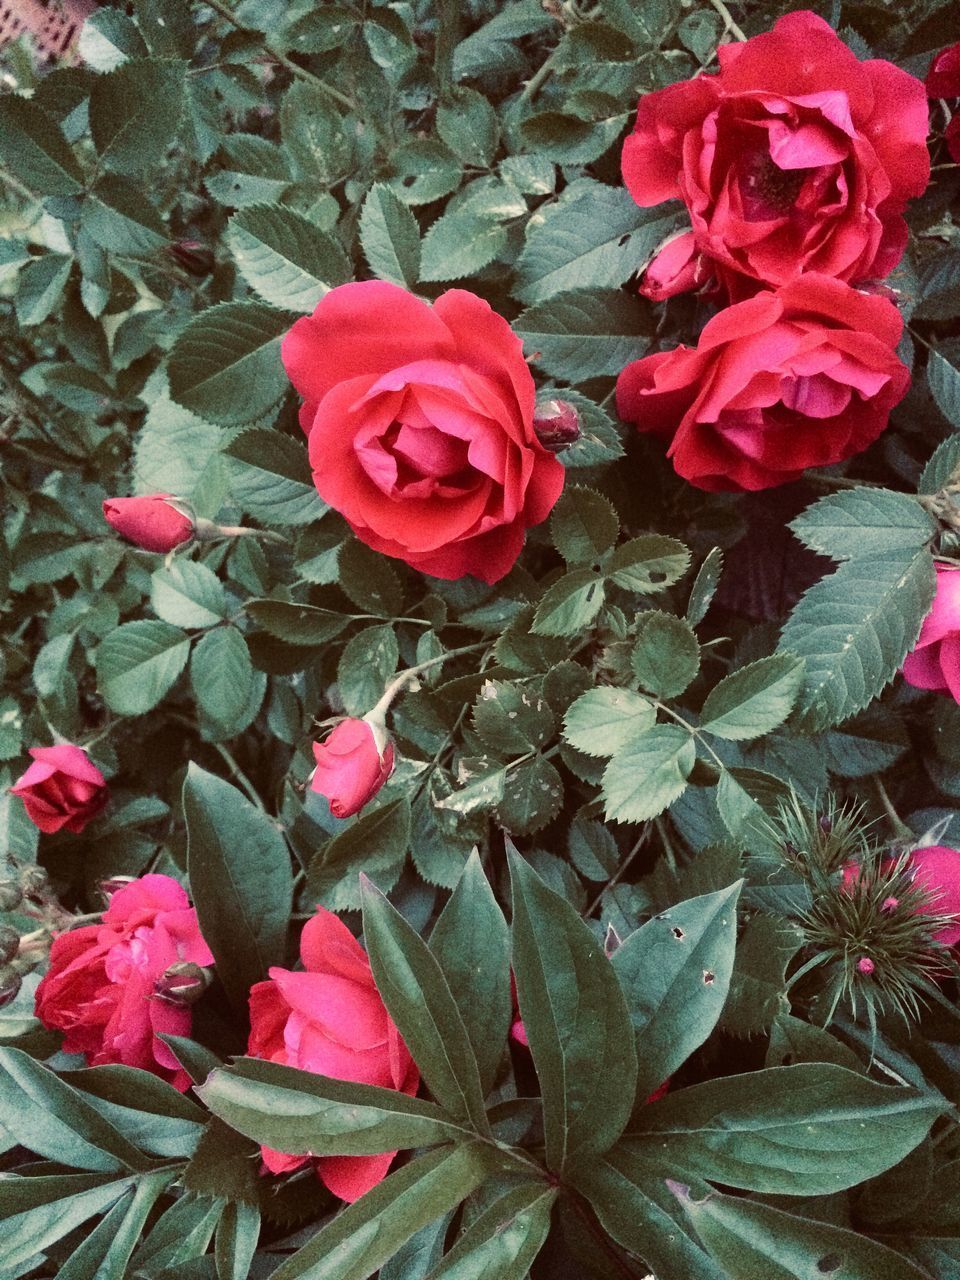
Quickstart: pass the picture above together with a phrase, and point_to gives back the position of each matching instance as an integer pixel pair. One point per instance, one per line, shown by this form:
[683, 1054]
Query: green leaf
[129, 132]
[149, 1112]
[224, 1165]
[593, 236]
[225, 365]
[421, 1003]
[570, 605]
[864, 522]
[467, 123]
[186, 593]
[675, 974]
[646, 22]
[666, 656]
[50, 1118]
[471, 944]
[756, 998]
[460, 243]
[854, 629]
[809, 1129]
[603, 722]
[568, 139]
[120, 218]
[222, 677]
[255, 171]
[284, 257]
[942, 467]
[532, 796]
[105, 1252]
[648, 774]
[296, 623]
[370, 1231]
[588, 333]
[241, 881]
[390, 237]
[316, 136]
[34, 148]
[377, 841]
[583, 525]
[424, 171]
[369, 579]
[754, 700]
[704, 587]
[40, 287]
[270, 477]
[943, 379]
[107, 38]
[236, 1241]
[504, 1240]
[368, 660]
[576, 1021]
[177, 452]
[320, 30]
[181, 1234]
[648, 564]
[138, 663]
[749, 1239]
[300, 1111]
[510, 719]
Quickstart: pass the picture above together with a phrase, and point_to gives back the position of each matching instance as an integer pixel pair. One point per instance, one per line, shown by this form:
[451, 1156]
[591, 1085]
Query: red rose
[155, 523]
[943, 78]
[352, 766]
[62, 788]
[421, 426]
[795, 157]
[677, 268]
[799, 378]
[101, 988]
[331, 1020]
[935, 660]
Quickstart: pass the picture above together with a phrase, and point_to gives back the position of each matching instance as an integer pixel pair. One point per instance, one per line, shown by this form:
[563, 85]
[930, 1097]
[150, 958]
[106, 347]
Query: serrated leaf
[225, 365]
[511, 719]
[704, 587]
[424, 170]
[138, 663]
[177, 452]
[854, 629]
[284, 257]
[603, 722]
[588, 333]
[570, 605]
[568, 139]
[368, 660]
[186, 593]
[222, 677]
[296, 623]
[128, 130]
[241, 881]
[467, 123]
[943, 378]
[583, 525]
[390, 237]
[648, 774]
[753, 701]
[270, 477]
[532, 796]
[121, 219]
[369, 580]
[35, 149]
[40, 287]
[864, 522]
[461, 242]
[648, 564]
[666, 655]
[943, 468]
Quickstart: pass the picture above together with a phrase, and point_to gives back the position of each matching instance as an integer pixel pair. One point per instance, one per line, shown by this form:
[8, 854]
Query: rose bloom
[802, 377]
[795, 157]
[935, 661]
[352, 766]
[332, 1021]
[420, 422]
[62, 788]
[100, 988]
[154, 523]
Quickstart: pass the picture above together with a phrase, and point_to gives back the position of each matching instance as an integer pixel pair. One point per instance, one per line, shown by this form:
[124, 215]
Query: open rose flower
[353, 763]
[156, 522]
[935, 661]
[421, 431]
[795, 157]
[105, 983]
[802, 377]
[62, 788]
[330, 1019]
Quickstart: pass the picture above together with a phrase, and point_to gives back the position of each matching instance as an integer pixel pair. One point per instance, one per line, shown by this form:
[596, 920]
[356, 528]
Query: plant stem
[725, 14]
[241, 777]
[900, 828]
[395, 686]
[620, 871]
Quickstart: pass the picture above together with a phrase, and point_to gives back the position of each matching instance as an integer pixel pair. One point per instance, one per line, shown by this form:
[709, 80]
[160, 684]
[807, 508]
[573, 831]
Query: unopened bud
[195, 257]
[33, 881]
[11, 895]
[182, 984]
[865, 965]
[9, 943]
[9, 986]
[825, 824]
[890, 904]
[557, 425]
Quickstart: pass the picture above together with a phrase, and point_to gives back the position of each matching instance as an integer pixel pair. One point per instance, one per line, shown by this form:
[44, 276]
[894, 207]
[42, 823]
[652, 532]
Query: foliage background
[172, 202]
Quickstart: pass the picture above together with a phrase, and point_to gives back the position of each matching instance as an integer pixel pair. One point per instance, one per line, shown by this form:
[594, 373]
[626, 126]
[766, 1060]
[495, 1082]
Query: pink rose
[421, 431]
[943, 78]
[353, 763]
[802, 377]
[936, 870]
[101, 988]
[332, 1021]
[935, 661]
[154, 523]
[62, 788]
[795, 157]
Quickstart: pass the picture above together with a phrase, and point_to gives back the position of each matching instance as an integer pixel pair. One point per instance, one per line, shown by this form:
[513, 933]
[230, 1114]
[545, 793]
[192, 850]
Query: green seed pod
[9, 943]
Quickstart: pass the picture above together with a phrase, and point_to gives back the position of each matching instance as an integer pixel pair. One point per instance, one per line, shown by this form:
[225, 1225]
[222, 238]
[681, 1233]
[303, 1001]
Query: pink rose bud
[865, 965]
[943, 78]
[182, 984]
[557, 425]
[195, 257]
[62, 788]
[353, 763]
[157, 522]
[677, 268]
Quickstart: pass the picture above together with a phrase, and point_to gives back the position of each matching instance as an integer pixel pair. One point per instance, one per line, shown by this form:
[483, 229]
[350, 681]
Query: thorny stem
[395, 686]
[727, 16]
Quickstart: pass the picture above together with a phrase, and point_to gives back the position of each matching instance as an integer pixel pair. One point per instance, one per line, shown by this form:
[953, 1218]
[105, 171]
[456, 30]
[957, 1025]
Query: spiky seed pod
[9, 943]
[11, 895]
[818, 840]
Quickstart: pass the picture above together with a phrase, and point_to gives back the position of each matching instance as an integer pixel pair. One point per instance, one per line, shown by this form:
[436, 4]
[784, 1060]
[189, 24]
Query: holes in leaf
[657, 575]
[828, 1265]
[409, 180]
[709, 978]
[678, 933]
[623, 240]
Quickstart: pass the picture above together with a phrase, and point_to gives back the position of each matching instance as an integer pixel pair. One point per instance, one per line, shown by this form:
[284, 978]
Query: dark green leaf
[376, 842]
[648, 564]
[137, 664]
[236, 1241]
[588, 333]
[270, 477]
[570, 605]
[503, 1241]
[297, 623]
[128, 130]
[223, 678]
[754, 700]
[35, 149]
[583, 525]
[390, 237]
[666, 656]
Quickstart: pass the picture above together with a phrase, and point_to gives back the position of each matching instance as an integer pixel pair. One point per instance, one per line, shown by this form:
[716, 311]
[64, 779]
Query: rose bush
[62, 788]
[420, 426]
[798, 378]
[794, 157]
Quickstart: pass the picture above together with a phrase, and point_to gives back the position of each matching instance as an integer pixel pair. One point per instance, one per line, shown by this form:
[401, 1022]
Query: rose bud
[677, 268]
[943, 78]
[10, 983]
[353, 763]
[62, 788]
[935, 660]
[557, 425]
[182, 984]
[156, 522]
[195, 257]
[9, 943]
[11, 895]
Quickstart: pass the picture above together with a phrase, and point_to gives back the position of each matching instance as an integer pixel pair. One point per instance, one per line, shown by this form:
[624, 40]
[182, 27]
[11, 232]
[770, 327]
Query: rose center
[768, 190]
